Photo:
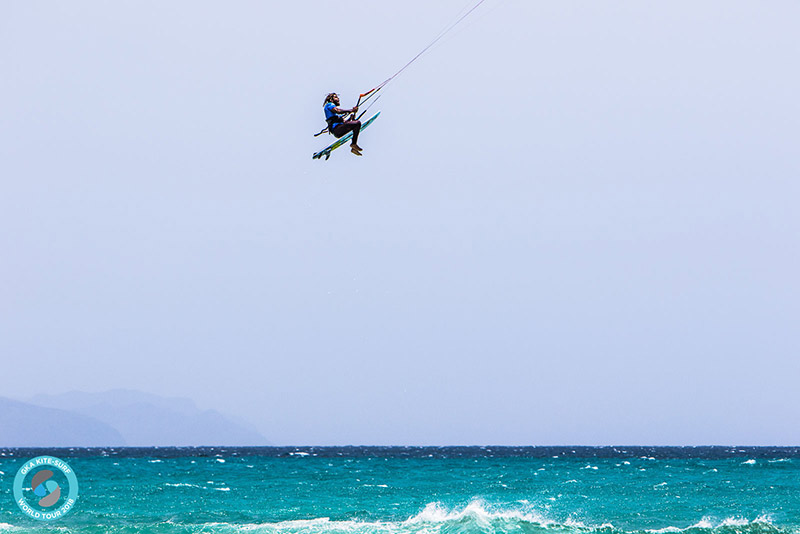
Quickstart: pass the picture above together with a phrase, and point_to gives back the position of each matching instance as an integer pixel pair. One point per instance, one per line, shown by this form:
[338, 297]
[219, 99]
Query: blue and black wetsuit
[338, 126]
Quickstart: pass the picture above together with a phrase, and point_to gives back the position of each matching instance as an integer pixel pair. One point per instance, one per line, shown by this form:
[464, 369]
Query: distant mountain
[146, 420]
[26, 425]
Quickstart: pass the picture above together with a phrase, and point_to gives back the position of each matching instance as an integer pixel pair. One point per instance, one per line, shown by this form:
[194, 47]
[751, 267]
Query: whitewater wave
[475, 518]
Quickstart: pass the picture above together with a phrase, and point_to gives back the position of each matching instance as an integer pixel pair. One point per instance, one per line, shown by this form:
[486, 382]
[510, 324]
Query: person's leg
[356, 127]
[350, 126]
[339, 130]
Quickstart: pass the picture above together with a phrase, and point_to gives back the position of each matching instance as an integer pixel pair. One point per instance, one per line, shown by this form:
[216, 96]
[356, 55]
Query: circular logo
[45, 488]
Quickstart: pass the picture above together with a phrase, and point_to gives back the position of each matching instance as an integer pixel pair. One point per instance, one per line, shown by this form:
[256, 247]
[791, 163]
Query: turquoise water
[422, 490]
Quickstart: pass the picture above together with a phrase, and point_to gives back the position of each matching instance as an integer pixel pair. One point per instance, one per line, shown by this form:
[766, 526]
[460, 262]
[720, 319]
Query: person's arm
[340, 111]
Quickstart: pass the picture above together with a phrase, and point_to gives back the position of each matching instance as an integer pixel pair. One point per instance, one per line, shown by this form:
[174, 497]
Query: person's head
[332, 97]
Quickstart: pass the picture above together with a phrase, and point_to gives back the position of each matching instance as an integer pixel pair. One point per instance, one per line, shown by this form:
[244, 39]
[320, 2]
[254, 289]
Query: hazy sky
[574, 222]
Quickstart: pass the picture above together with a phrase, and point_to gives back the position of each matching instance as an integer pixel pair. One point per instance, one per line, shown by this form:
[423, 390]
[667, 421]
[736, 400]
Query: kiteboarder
[338, 126]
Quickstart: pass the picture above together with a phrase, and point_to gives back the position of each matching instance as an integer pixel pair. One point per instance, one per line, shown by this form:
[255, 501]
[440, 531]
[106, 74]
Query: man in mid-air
[338, 126]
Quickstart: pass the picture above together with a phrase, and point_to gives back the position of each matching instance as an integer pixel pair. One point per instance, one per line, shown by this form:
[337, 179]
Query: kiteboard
[342, 140]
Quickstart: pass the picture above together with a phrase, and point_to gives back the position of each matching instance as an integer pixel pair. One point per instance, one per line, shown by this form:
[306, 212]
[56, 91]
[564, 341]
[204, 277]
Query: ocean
[420, 490]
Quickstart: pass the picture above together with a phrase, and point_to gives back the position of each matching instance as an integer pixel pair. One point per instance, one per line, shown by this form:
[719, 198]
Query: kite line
[372, 92]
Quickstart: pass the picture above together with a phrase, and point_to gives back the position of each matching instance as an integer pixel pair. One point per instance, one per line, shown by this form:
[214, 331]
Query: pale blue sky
[574, 222]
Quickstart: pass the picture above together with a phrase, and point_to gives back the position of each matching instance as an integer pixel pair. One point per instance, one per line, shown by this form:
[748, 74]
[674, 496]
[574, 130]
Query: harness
[333, 121]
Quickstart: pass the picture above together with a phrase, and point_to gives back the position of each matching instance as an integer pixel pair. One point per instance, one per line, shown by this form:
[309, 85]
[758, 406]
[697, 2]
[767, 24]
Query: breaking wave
[475, 518]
